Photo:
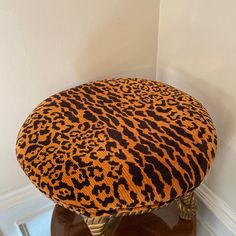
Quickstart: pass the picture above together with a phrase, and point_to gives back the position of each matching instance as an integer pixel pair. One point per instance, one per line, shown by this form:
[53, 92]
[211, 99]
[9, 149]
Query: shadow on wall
[119, 47]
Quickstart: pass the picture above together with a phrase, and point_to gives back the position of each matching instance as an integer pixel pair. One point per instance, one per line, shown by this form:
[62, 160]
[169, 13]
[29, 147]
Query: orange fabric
[117, 145]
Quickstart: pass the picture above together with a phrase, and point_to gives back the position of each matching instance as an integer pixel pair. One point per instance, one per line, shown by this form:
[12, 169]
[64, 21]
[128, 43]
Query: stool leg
[97, 225]
[187, 206]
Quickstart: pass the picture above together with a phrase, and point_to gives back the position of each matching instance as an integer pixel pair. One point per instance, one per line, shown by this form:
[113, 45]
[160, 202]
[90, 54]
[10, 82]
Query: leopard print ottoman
[116, 147]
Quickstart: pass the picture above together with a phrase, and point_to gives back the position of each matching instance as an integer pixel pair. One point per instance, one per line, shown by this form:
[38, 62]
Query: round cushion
[117, 145]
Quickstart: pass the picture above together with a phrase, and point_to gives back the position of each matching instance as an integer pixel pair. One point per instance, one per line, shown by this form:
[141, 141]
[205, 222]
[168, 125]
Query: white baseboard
[21, 206]
[18, 196]
[215, 213]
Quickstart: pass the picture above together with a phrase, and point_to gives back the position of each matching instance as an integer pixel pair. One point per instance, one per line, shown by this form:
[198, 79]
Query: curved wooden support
[97, 225]
[187, 206]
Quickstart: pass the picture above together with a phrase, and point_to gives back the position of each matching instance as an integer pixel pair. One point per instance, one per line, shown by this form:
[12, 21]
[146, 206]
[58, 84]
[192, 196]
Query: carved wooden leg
[97, 225]
[187, 206]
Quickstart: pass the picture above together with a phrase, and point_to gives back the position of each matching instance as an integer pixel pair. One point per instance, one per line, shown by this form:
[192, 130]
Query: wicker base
[187, 206]
[97, 225]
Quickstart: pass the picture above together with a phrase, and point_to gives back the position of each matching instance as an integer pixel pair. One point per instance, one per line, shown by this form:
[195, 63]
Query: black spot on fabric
[101, 188]
[68, 106]
[188, 181]
[128, 122]
[113, 119]
[136, 173]
[95, 110]
[89, 116]
[142, 148]
[82, 181]
[56, 125]
[180, 107]
[184, 165]
[178, 176]
[136, 156]
[162, 110]
[90, 205]
[143, 125]
[48, 186]
[84, 126]
[70, 165]
[113, 98]
[149, 170]
[88, 97]
[152, 124]
[110, 174]
[201, 161]
[120, 154]
[110, 145]
[96, 172]
[195, 170]
[71, 117]
[96, 89]
[88, 90]
[161, 168]
[140, 113]
[33, 148]
[81, 163]
[114, 163]
[64, 191]
[155, 116]
[34, 137]
[117, 193]
[81, 196]
[172, 134]
[106, 201]
[107, 110]
[36, 124]
[44, 131]
[102, 99]
[203, 147]
[129, 134]
[114, 94]
[116, 135]
[106, 120]
[119, 170]
[173, 144]
[209, 139]
[213, 152]
[148, 193]
[134, 197]
[169, 150]
[182, 132]
[201, 132]
[173, 193]
[152, 147]
[79, 105]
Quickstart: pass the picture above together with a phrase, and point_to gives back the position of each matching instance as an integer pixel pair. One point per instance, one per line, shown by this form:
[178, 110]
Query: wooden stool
[118, 147]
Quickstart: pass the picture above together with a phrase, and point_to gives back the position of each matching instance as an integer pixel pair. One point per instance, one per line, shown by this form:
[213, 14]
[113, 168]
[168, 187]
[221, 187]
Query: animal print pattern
[117, 145]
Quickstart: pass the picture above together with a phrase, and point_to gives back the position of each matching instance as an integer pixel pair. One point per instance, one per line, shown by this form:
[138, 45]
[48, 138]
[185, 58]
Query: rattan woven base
[187, 206]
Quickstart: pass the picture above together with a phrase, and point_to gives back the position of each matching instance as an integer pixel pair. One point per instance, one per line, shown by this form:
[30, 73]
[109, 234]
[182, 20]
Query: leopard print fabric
[117, 145]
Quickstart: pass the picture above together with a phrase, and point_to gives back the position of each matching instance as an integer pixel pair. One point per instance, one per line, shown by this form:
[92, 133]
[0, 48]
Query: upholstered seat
[116, 146]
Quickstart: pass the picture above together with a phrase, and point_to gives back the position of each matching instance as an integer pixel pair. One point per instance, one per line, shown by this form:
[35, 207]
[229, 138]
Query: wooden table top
[165, 223]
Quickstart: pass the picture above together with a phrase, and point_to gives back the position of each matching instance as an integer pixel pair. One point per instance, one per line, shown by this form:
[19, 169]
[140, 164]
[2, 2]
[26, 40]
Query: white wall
[47, 46]
[197, 53]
